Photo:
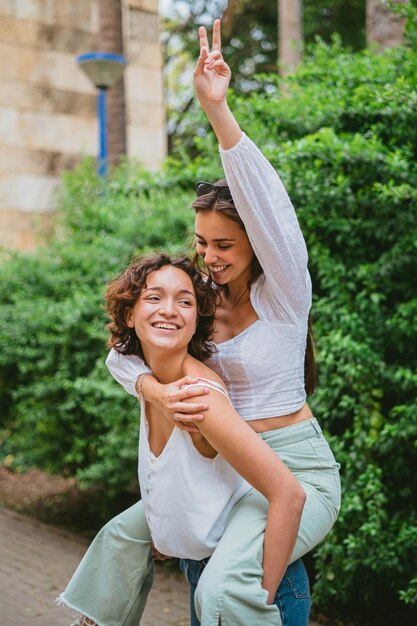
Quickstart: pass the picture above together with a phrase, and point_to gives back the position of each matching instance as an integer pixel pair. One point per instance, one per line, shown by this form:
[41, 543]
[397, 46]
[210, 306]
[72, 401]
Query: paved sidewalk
[36, 562]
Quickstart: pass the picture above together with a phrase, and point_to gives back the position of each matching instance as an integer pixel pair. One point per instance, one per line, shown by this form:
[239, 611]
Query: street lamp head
[102, 68]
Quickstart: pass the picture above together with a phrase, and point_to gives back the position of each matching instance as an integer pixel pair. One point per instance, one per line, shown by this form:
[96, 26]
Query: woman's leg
[292, 598]
[112, 582]
[230, 586]
[192, 571]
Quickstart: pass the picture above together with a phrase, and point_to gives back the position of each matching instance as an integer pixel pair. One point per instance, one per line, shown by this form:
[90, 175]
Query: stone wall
[48, 107]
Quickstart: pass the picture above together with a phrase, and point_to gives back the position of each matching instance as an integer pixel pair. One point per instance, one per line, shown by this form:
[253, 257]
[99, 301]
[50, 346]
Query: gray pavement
[36, 562]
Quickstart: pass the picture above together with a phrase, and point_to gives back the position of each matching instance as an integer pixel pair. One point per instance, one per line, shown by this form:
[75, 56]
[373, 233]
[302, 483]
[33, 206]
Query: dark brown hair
[123, 292]
[212, 202]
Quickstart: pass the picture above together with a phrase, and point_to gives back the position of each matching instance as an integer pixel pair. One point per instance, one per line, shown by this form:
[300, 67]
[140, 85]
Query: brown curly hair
[123, 292]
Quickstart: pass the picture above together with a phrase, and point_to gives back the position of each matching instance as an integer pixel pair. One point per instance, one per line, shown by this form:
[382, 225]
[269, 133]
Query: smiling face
[224, 246]
[165, 314]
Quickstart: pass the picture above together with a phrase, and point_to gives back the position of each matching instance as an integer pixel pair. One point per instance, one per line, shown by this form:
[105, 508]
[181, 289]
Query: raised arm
[128, 370]
[253, 459]
[258, 193]
[211, 82]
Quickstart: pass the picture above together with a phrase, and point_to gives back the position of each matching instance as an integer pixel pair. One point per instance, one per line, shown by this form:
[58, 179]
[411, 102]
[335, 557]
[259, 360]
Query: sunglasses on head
[222, 191]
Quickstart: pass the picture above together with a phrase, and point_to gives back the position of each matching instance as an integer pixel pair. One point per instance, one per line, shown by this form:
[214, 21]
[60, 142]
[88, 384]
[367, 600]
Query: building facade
[48, 108]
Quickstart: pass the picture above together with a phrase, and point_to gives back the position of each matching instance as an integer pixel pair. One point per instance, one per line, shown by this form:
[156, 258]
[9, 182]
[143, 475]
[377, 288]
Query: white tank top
[187, 497]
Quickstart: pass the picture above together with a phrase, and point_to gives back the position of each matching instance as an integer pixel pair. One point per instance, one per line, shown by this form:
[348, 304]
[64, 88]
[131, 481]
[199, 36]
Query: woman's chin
[219, 280]
[168, 344]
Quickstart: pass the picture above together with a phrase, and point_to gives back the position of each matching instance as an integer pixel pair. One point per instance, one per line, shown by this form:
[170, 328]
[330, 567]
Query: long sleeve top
[263, 366]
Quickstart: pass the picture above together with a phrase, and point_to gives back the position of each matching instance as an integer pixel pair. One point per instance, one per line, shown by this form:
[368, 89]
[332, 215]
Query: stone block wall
[48, 107]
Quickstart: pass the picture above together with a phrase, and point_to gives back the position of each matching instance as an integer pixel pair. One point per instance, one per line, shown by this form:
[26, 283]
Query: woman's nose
[209, 256]
[168, 308]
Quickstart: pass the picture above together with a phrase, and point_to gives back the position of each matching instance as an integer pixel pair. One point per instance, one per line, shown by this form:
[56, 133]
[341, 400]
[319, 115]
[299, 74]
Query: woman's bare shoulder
[197, 369]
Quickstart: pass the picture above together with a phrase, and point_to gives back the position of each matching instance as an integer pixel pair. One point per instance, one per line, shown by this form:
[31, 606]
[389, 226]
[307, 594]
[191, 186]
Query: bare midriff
[272, 423]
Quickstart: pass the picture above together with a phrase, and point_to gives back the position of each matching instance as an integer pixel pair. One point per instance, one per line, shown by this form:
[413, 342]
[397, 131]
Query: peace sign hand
[211, 73]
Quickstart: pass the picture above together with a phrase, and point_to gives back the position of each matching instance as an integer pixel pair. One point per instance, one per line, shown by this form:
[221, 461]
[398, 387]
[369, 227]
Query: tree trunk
[111, 40]
[290, 34]
[383, 27]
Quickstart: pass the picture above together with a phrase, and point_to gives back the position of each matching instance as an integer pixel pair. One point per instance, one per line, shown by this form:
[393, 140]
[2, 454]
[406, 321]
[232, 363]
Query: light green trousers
[113, 580]
[230, 585]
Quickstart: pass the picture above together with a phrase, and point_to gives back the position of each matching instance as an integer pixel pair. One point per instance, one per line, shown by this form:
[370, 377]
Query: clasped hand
[182, 414]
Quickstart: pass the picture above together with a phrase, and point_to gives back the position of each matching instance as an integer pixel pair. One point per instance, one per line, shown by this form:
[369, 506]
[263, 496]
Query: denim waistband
[295, 432]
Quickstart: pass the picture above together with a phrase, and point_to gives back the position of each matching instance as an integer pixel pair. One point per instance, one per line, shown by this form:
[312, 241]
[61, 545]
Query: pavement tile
[36, 562]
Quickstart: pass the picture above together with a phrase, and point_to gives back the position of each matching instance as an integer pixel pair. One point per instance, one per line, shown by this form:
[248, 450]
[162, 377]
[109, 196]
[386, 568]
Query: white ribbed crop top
[187, 497]
[263, 366]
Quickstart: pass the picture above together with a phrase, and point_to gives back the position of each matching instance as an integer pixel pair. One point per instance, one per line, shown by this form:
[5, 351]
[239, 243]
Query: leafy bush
[343, 133]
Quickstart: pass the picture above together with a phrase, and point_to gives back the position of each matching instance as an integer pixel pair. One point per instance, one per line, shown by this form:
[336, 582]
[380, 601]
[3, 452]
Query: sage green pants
[230, 585]
[114, 578]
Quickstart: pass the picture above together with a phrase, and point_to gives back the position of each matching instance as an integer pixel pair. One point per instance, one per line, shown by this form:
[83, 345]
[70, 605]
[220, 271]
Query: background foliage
[342, 132]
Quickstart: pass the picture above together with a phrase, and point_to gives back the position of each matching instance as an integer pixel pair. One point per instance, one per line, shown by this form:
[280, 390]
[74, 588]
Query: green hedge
[343, 133]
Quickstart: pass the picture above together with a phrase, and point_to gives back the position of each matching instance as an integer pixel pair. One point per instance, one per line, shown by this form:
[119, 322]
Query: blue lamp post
[103, 69]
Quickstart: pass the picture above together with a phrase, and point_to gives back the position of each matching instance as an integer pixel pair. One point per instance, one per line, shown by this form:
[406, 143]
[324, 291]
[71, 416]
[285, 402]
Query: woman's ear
[129, 318]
